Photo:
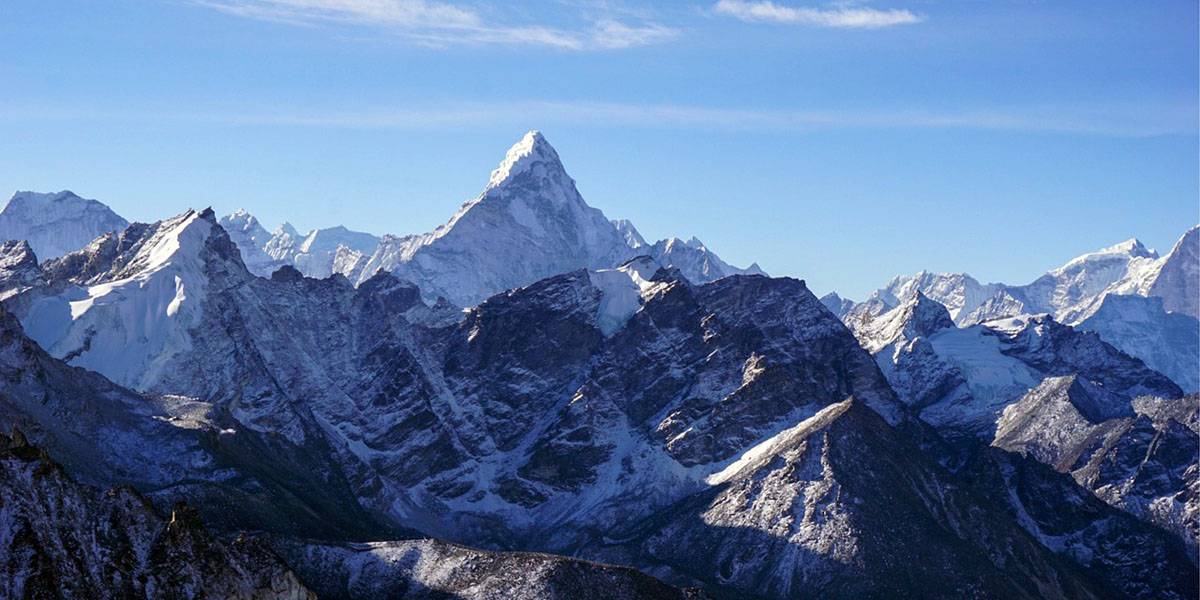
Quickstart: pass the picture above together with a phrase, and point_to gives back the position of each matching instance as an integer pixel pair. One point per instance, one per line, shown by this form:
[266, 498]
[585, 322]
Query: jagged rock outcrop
[427, 569]
[61, 539]
[1141, 457]
[1123, 556]
[842, 506]
[19, 270]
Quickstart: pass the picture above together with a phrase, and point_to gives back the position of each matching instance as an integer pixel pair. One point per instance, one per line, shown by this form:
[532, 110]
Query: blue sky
[842, 142]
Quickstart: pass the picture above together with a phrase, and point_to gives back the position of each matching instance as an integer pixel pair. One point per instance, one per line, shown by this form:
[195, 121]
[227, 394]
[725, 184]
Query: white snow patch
[622, 292]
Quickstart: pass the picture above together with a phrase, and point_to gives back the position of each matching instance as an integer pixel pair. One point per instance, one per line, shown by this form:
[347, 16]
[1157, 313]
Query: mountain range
[533, 401]
[528, 223]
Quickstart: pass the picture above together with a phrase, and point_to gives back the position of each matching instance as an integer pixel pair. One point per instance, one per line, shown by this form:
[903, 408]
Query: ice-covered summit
[56, 223]
[530, 153]
[529, 222]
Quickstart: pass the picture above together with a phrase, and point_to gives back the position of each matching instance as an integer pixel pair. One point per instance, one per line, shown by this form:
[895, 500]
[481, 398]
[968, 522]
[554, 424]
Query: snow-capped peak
[242, 220]
[531, 150]
[694, 243]
[56, 223]
[917, 316]
[133, 319]
[630, 233]
[179, 241]
[1132, 247]
[1128, 249]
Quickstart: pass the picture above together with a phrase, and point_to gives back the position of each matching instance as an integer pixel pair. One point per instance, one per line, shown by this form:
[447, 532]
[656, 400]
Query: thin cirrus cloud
[841, 17]
[1109, 121]
[442, 24]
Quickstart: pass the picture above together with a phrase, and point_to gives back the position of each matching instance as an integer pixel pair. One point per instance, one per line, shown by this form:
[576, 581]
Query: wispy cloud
[1107, 121]
[840, 16]
[444, 24]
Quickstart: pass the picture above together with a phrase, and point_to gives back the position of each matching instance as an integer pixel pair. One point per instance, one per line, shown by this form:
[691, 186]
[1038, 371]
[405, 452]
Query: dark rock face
[1124, 556]
[63, 539]
[428, 569]
[834, 505]
[1145, 463]
[102, 257]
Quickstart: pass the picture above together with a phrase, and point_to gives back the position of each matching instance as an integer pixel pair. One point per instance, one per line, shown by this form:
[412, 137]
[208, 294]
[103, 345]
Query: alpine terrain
[532, 401]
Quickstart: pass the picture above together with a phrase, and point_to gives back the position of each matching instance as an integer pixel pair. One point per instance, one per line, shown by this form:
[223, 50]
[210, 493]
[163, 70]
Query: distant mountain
[695, 261]
[1178, 279]
[528, 223]
[1168, 342]
[1135, 300]
[55, 224]
[1070, 293]
[253, 242]
[960, 379]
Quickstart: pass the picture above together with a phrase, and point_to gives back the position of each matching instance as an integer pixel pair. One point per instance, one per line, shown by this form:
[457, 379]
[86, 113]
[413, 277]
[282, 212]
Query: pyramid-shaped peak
[922, 316]
[532, 149]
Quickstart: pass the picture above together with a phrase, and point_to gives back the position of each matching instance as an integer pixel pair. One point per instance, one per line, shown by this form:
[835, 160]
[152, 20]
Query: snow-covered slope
[128, 321]
[1178, 278]
[55, 224]
[317, 253]
[252, 240]
[528, 223]
[1168, 342]
[960, 293]
[1135, 300]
